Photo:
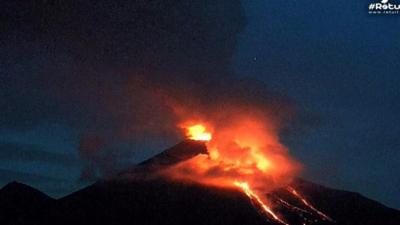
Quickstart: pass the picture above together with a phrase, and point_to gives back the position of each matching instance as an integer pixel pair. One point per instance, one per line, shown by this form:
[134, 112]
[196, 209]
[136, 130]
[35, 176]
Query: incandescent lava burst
[245, 154]
[198, 132]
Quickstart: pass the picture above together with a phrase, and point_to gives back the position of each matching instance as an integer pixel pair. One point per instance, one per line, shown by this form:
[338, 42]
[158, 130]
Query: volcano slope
[130, 198]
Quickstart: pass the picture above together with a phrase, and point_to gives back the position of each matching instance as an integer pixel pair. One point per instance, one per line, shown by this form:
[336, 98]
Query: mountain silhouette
[20, 202]
[131, 200]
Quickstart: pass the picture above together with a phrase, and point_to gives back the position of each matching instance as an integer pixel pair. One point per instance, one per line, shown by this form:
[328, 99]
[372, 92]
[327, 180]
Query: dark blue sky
[342, 66]
[337, 63]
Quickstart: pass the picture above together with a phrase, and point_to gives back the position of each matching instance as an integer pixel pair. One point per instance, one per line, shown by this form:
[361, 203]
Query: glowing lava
[198, 132]
[254, 197]
[244, 153]
[306, 203]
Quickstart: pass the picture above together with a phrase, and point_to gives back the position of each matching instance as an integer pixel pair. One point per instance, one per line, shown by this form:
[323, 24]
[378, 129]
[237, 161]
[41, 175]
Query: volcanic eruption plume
[244, 152]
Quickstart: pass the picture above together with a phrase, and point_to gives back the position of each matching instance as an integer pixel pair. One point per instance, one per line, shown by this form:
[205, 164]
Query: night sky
[340, 65]
[62, 80]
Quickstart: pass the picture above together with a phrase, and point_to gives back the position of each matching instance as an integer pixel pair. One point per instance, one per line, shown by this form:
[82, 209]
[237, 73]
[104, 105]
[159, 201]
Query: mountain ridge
[135, 196]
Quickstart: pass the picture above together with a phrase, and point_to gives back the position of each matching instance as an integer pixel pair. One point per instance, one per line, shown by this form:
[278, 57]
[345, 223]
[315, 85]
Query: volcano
[136, 197]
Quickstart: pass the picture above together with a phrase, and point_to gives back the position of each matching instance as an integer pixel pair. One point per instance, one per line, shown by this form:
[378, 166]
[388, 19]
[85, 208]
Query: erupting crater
[198, 132]
[245, 154]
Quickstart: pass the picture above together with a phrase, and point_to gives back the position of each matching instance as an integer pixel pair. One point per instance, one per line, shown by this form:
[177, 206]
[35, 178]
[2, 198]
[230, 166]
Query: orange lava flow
[305, 202]
[245, 148]
[287, 204]
[250, 193]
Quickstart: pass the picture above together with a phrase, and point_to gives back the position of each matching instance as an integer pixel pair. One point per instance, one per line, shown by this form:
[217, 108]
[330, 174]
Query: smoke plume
[123, 71]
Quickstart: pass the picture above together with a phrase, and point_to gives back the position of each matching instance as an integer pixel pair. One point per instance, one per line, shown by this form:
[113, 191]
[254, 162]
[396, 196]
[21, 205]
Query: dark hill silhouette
[20, 202]
[122, 200]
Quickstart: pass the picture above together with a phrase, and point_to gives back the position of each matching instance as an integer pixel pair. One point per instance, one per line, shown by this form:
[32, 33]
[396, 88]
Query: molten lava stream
[244, 153]
[290, 206]
[253, 196]
[306, 203]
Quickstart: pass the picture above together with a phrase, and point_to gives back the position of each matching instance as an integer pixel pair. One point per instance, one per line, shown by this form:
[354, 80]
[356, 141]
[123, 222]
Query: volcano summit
[155, 199]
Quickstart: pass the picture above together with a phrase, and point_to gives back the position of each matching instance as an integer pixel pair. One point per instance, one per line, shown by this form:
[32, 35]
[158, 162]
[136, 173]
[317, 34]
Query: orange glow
[254, 197]
[306, 203]
[245, 148]
[198, 132]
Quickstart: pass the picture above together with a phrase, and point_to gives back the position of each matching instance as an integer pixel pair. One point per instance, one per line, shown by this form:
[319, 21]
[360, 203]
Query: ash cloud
[17, 152]
[123, 70]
